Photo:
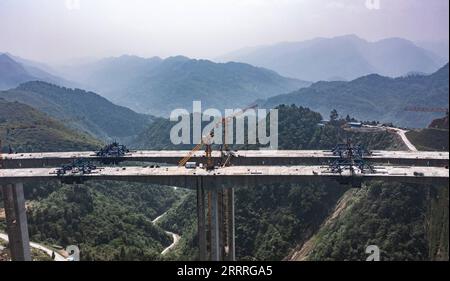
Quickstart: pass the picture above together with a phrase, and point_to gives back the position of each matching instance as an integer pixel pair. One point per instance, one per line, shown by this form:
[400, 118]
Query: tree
[334, 115]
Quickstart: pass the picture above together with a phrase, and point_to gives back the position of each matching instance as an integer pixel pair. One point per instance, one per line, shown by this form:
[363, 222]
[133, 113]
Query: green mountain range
[85, 111]
[375, 97]
[27, 129]
[158, 86]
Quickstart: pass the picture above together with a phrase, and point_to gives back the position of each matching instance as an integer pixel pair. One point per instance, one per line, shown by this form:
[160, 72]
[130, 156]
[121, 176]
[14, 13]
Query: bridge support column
[214, 227]
[201, 220]
[231, 255]
[221, 232]
[221, 204]
[16, 222]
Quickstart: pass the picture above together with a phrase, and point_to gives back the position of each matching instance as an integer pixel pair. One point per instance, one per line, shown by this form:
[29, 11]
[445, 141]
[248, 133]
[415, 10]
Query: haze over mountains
[15, 70]
[158, 86]
[375, 97]
[341, 58]
[12, 73]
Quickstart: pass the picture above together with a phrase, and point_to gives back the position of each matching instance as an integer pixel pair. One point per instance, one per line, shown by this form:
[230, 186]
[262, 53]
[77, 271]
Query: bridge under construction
[215, 187]
[243, 157]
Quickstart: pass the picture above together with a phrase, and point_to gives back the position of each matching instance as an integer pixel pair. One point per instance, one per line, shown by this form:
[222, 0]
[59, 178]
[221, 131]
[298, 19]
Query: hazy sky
[57, 30]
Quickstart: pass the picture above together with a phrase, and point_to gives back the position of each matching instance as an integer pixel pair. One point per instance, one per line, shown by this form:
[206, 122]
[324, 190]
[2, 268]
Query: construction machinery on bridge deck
[351, 161]
[207, 141]
[112, 153]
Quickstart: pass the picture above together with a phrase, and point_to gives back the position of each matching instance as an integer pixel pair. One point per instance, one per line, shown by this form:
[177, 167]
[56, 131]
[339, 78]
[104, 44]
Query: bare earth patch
[302, 253]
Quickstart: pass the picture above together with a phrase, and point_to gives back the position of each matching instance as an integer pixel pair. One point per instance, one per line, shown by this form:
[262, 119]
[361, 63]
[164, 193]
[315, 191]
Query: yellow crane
[207, 140]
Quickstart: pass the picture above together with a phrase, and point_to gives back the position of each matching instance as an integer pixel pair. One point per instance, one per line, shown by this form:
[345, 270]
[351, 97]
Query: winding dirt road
[175, 237]
[402, 134]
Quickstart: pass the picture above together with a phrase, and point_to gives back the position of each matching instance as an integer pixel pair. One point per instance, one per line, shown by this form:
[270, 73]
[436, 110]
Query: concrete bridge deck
[243, 157]
[228, 176]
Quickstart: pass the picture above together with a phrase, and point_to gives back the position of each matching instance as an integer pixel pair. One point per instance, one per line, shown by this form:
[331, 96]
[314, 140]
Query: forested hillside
[24, 128]
[84, 111]
[107, 220]
[375, 97]
[407, 222]
[273, 221]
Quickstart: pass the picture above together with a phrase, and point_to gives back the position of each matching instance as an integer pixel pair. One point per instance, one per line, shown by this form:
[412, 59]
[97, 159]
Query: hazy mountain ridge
[15, 70]
[158, 86]
[375, 97]
[340, 58]
[12, 73]
[82, 110]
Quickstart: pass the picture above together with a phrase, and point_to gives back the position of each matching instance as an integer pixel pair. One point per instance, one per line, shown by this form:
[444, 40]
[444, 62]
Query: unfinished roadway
[247, 157]
[228, 176]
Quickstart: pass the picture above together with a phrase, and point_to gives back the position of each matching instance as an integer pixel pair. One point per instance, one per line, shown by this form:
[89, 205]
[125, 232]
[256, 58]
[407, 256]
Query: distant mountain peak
[158, 88]
[6, 58]
[178, 58]
[346, 56]
[350, 37]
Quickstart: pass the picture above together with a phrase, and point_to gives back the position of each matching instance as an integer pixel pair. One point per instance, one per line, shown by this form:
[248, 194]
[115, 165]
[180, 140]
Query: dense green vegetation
[272, 219]
[157, 136]
[85, 111]
[407, 222]
[375, 97]
[26, 129]
[435, 138]
[387, 215]
[437, 223]
[429, 139]
[298, 129]
[107, 220]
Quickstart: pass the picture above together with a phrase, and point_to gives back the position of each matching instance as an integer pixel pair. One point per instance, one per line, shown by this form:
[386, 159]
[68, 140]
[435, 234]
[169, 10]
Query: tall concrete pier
[16, 222]
[220, 223]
